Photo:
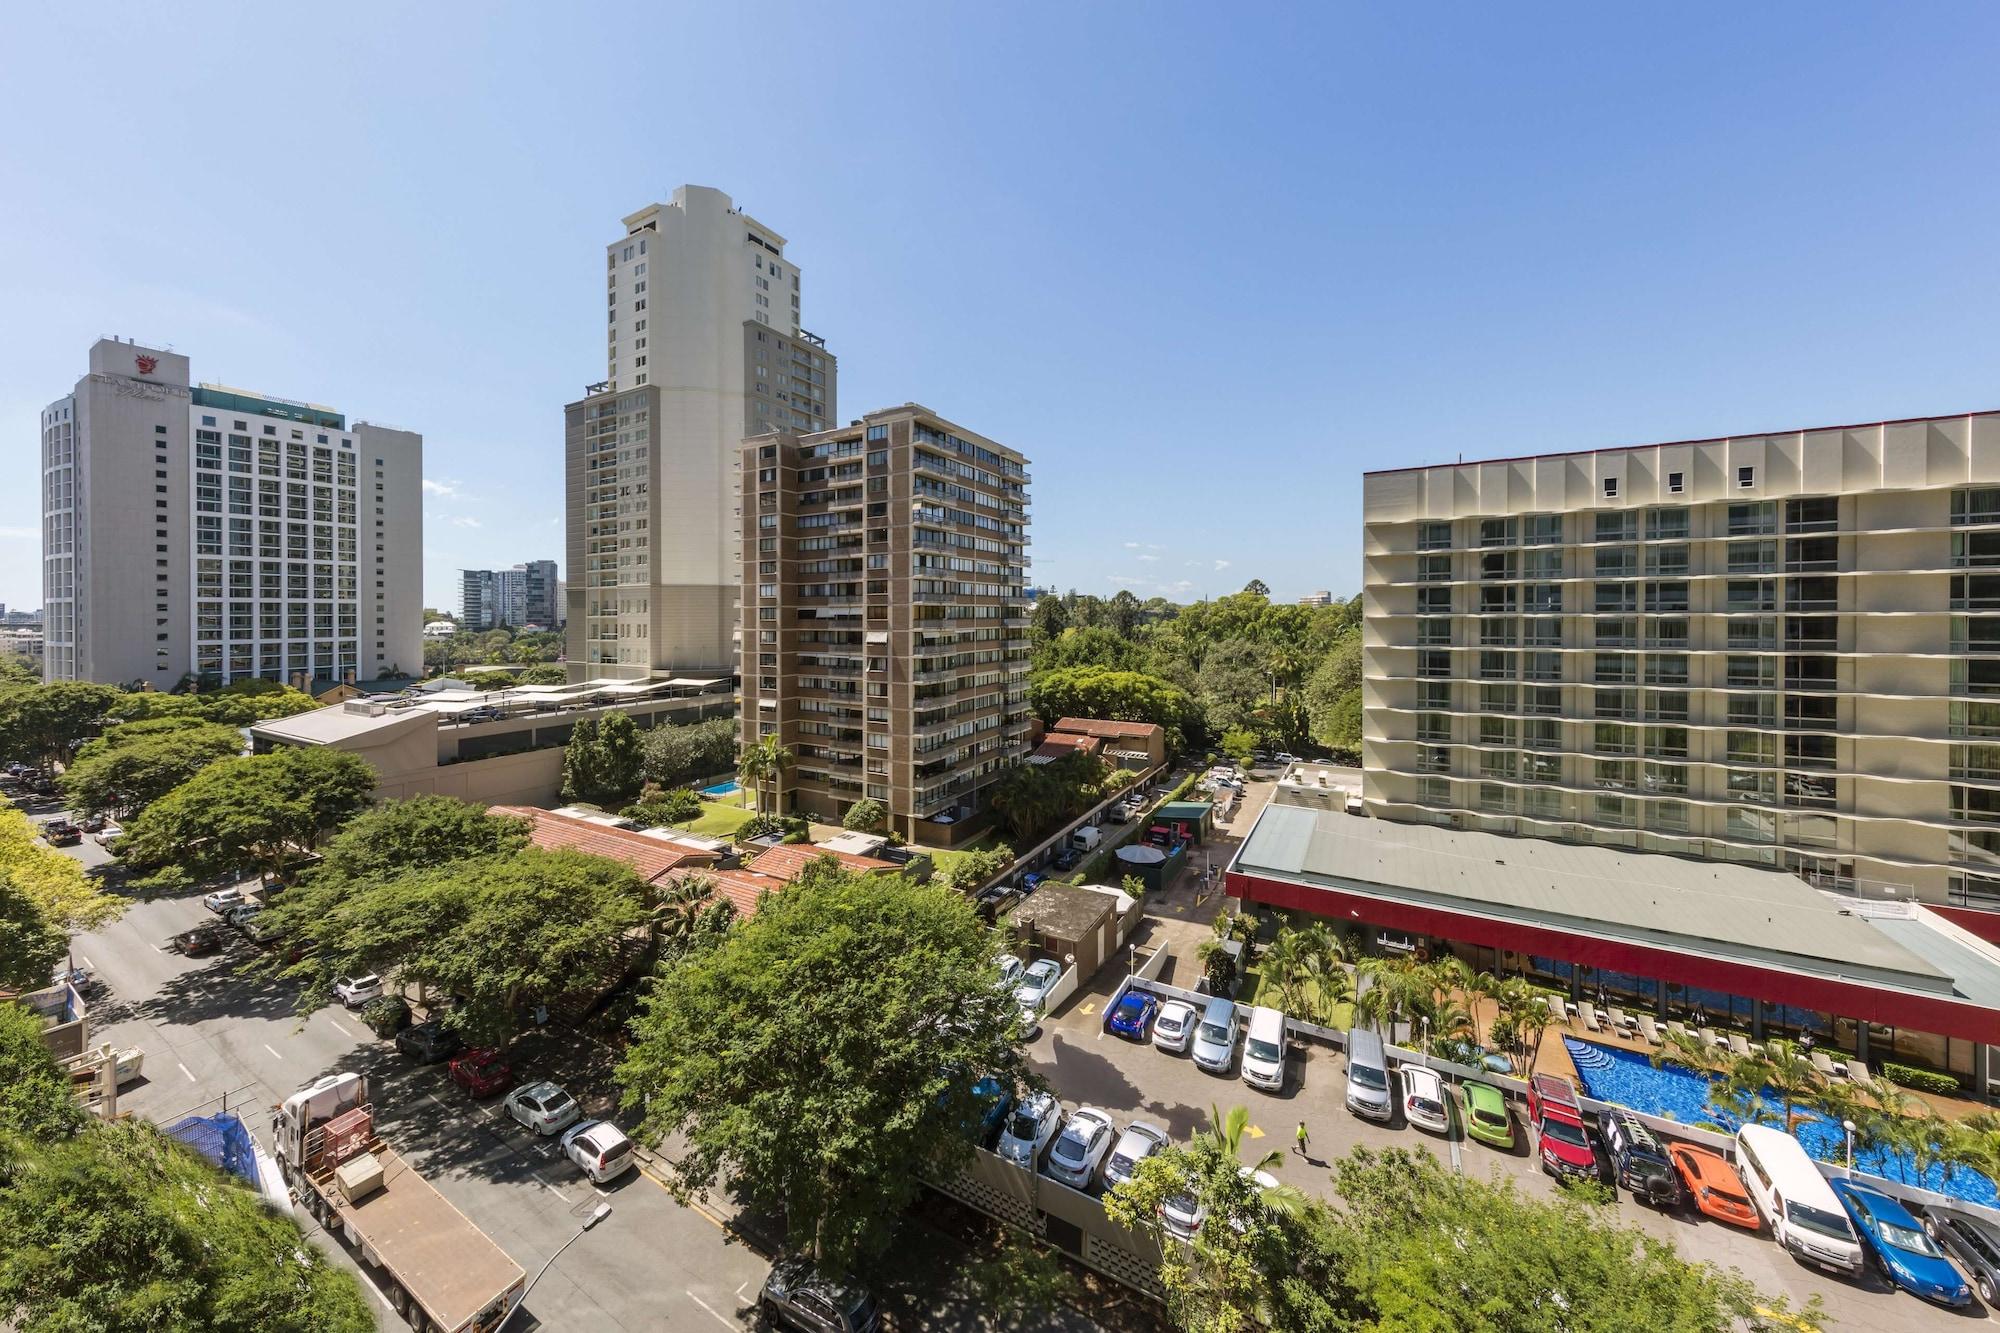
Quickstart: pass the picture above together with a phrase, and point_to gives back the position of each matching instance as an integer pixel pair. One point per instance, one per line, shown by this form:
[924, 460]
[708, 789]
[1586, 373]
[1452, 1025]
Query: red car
[481, 1072]
[1557, 1115]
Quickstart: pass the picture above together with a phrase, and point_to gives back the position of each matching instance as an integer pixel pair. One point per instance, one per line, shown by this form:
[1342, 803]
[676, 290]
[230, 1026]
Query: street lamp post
[1847, 1126]
[597, 1214]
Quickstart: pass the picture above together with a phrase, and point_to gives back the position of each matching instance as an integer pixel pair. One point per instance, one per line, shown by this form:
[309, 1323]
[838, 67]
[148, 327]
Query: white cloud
[1221, 565]
[1149, 557]
[1144, 546]
[1177, 586]
[20, 534]
[465, 521]
[444, 489]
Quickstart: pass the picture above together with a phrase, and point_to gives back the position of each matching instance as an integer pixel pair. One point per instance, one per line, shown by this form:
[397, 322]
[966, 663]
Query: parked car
[1077, 1151]
[543, 1107]
[1905, 1254]
[61, 833]
[357, 991]
[993, 1100]
[797, 1296]
[1713, 1185]
[1036, 983]
[428, 1043]
[107, 834]
[600, 1148]
[240, 916]
[1139, 1141]
[1563, 1142]
[1182, 1215]
[481, 1072]
[93, 823]
[1173, 1026]
[1486, 1116]
[1806, 1216]
[1011, 969]
[1370, 1086]
[1264, 1049]
[1426, 1104]
[222, 900]
[1215, 1036]
[1973, 1241]
[1067, 858]
[1132, 1017]
[1283, 757]
[1639, 1160]
[1120, 813]
[1029, 1129]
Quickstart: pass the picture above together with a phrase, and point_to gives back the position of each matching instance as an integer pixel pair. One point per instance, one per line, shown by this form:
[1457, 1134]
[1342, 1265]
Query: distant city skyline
[1204, 285]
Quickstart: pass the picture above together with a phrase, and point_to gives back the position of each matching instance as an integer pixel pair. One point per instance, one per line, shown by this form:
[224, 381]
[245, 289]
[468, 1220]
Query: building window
[1611, 488]
[1746, 477]
[1676, 483]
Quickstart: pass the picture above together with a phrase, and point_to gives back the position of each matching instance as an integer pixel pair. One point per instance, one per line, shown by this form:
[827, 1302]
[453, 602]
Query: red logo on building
[146, 364]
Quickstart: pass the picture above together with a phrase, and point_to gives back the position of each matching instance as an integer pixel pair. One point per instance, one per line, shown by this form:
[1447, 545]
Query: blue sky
[1201, 263]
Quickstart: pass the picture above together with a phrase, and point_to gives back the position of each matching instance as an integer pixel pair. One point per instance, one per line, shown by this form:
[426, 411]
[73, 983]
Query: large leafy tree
[1234, 685]
[1092, 647]
[45, 897]
[254, 812]
[620, 745]
[1124, 696]
[582, 758]
[401, 836]
[40, 724]
[676, 756]
[822, 1054]
[503, 932]
[35, 1096]
[134, 764]
[234, 705]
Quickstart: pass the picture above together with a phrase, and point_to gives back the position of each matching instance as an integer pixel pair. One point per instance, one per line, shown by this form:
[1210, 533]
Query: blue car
[1132, 1017]
[1911, 1259]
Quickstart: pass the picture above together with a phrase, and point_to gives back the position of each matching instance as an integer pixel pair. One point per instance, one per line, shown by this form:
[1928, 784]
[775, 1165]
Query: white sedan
[1183, 1214]
[357, 991]
[1084, 1140]
[1010, 971]
[223, 899]
[600, 1148]
[1139, 1141]
[1029, 1128]
[1425, 1100]
[1174, 1027]
[543, 1107]
[1037, 982]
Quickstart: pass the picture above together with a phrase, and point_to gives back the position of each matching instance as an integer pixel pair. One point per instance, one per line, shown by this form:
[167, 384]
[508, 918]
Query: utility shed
[1192, 820]
[1066, 920]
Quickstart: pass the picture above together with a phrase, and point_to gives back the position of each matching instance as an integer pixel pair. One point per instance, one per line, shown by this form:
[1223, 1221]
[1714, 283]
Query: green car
[1486, 1117]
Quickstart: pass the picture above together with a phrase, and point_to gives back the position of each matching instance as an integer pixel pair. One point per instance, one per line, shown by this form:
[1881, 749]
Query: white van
[1795, 1199]
[1085, 839]
[1368, 1090]
[1264, 1050]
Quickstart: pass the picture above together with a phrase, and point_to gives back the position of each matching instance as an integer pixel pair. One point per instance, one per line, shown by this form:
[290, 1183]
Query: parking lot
[1086, 1066]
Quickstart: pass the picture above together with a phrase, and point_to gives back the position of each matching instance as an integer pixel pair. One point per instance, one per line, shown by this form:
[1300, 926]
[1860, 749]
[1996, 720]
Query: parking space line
[185, 1070]
[85, 960]
[338, 1028]
[721, 1319]
[274, 1055]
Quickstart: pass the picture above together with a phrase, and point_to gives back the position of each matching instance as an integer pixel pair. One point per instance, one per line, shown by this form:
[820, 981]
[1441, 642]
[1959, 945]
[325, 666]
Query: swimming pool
[1628, 1078]
[721, 789]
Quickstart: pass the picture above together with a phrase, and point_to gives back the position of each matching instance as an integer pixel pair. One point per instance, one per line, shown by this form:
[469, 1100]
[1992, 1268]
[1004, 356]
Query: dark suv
[1639, 1160]
[794, 1296]
[428, 1043]
[1973, 1241]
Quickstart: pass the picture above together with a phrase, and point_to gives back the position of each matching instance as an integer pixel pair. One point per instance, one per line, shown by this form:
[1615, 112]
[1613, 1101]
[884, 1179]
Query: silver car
[1173, 1028]
[1037, 982]
[1029, 1128]
[1084, 1141]
[1139, 1141]
[543, 1107]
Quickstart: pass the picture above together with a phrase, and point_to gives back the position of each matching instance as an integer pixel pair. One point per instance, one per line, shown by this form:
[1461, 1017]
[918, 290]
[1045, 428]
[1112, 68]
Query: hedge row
[1923, 1080]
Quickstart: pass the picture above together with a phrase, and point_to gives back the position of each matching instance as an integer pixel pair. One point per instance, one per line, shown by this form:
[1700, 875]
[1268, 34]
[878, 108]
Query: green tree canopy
[678, 756]
[45, 897]
[544, 673]
[620, 742]
[253, 812]
[1121, 696]
[866, 815]
[1234, 687]
[504, 932]
[582, 759]
[234, 705]
[1093, 647]
[135, 763]
[823, 1053]
[35, 1099]
[40, 724]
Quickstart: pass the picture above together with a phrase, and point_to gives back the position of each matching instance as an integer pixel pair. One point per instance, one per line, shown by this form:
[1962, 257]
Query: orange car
[1714, 1185]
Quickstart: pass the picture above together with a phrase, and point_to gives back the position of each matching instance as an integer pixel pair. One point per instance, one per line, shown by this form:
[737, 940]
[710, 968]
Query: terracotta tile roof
[649, 857]
[1058, 744]
[743, 888]
[787, 861]
[1091, 726]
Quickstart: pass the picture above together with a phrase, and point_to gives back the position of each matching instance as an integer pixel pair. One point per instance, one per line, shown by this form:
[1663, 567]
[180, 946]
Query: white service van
[1805, 1216]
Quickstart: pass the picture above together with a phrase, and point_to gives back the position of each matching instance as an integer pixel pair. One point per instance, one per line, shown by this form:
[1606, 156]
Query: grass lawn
[942, 860]
[720, 819]
[1253, 992]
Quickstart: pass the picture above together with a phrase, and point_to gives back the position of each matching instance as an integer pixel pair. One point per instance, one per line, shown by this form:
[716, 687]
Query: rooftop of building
[358, 717]
[1065, 911]
[288, 409]
[1667, 444]
[650, 858]
[788, 861]
[1104, 728]
[1741, 913]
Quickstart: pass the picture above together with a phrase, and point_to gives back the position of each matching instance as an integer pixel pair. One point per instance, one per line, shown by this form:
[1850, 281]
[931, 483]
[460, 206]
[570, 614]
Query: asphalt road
[1088, 1067]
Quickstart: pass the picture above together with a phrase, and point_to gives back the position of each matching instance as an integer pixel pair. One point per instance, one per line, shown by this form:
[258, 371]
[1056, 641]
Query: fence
[1070, 1220]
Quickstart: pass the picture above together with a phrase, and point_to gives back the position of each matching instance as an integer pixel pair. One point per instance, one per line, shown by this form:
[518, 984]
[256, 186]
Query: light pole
[597, 1214]
[1847, 1126]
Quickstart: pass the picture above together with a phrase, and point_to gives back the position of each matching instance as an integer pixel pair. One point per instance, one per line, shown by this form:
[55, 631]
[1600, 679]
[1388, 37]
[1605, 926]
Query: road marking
[739, 1289]
[1253, 1131]
[85, 960]
[1088, 1009]
[552, 1189]
[720, 1318]
[267, 1046]
[187, 1071]
[338, 1028]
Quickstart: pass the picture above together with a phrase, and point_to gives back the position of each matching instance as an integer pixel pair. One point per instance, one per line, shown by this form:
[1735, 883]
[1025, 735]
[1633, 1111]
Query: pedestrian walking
[1303, 1138]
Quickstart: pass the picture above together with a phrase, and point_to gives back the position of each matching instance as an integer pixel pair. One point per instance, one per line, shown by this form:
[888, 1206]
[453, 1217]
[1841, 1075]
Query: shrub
[1922, 1080]
[1504, 1035]
[865, 816]
[761, 826]
[665, 807]
[797, 828]
[386, 1016]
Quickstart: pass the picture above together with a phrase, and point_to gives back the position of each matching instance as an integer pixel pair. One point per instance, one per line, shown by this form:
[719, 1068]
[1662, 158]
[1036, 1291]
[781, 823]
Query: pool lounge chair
[1619, 1021]
[1679, 1029]
[1589, 1013]
[1739, 1044]
[1825, 1066]
[1858, 1072]
[1648, 1030]
[1713, 1038]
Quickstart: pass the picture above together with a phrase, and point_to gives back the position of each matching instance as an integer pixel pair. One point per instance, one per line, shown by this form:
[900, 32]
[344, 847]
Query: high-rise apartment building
[885, 617]
[1776, 649]
[703, 348]
[196, 529]
[518, 597]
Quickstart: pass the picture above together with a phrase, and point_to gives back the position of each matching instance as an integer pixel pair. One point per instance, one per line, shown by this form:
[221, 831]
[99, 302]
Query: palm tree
[1793, 1078]
[1481, 986]
[1224, 1133]
[679, 906]
[763, 766]
[1684, 1048]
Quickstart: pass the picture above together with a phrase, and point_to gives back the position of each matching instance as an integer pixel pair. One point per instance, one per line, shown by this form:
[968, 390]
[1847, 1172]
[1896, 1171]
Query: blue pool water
[721, 789]
[1629, 1079]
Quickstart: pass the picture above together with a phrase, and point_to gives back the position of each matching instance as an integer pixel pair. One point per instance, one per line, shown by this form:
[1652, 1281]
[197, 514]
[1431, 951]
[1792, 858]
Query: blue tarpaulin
[222, 1139]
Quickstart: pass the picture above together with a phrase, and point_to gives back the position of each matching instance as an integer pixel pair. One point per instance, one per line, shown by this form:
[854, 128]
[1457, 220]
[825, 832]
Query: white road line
[338, 1028]
[739, 1290]
[187, 1071]
[558, 1193]
[719, 1317]
[267, 1046]
[86, 962]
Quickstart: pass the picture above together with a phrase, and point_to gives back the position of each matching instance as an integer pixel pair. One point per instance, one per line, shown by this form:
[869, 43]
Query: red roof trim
[1668, 444]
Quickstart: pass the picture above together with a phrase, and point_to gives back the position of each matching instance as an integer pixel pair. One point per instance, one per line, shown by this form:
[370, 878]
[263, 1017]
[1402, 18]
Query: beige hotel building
[1778, 649]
